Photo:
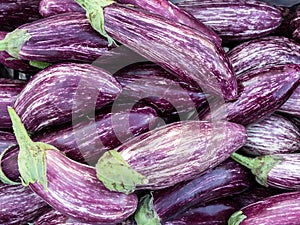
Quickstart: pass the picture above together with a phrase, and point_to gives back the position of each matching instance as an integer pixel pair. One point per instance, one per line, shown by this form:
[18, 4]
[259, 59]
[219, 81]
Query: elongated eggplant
[63, 37]
[235, 20]
[277, 210]
[53, 7]
[275, 134]
[176, 47]
[227, 179]
[169, 155]
[68, 186]
[277, 170]
[63, 92]
[14, 13]
[261, 92]
[9, 90]
[6, 139]
[19, 205]
[292, 105]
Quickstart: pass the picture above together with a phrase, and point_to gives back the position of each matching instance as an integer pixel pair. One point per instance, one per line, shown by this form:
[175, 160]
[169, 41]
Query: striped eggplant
[19, 205]
[261, 92]
[175, 47]
[277, 170]
[14, 13]
[295, 24]
[169, 155]
[63, 92]
[68, 186]
[235, 20]
[6, 139]
[9, 90]
[53, 7]
[63, 37]
[227, 179]
[214, 213]
[275, 134]
[272, 50]
[276, 210]
[292, 105]
[295, 120]
[149, 83]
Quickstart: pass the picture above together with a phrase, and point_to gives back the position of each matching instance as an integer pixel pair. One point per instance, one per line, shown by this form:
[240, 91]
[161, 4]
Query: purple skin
[276, 210]
[6, 139]
[261, 92]
[229, 178]
[275, 134]
[9, 90]
[15, 13]
[188, 147]
[74, 190]
[229, 20]
[19, 205]
[64, 92]
[195, 59]
[292, 105]
[53, 7]
[82, 143]
[295, 24]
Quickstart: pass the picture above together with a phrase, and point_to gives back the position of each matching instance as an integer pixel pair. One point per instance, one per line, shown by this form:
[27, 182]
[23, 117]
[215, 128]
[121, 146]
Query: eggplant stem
[243, 160]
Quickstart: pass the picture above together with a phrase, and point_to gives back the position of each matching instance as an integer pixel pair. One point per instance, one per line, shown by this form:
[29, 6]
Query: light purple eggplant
[53, 7]
[276, 210]
[295, 24]
[64, 92]
[292, 105]
[6, 139]
[275, 134]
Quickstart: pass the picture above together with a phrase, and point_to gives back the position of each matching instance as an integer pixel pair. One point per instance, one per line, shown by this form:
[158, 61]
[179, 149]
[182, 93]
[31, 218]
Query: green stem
[39, 65]
[243, 160]
[236, 218]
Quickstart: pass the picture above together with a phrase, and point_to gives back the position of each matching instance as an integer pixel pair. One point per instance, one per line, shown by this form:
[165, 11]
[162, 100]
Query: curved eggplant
[6, 139]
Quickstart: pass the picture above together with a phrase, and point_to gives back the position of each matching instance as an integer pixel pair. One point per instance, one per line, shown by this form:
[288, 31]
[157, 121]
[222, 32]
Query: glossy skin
[52, 7]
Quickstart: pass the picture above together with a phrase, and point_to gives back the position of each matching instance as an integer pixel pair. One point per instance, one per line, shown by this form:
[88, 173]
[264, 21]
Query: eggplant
[53, 7]
[292, 105]
[175, 47]
[261, 92]
[64, 92]
[277, 170]
[227, 179]
[235, 20]
[14, 13]
[295, 24]
[60, 38]
[9, 90]
[275, 134]
[276, 210]
[169, 155]
[68, 186]
[6, 139]
[19, 205]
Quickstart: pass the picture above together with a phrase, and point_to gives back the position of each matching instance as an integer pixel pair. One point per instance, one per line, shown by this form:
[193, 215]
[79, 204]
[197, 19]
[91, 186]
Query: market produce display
[149, 112]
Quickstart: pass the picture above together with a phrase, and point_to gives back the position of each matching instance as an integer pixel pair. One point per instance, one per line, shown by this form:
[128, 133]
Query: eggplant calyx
[116, 174]
[146, 214]
[39, 65]
[32, 155]
[236, 218]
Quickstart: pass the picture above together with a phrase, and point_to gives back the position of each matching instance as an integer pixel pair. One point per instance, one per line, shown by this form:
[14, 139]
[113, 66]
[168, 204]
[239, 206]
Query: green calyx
[236, 218]
[39, 65]
[32, 155]
[95, 14]
[145, 213]
[116, 174]
[259, 166]
[14, 41]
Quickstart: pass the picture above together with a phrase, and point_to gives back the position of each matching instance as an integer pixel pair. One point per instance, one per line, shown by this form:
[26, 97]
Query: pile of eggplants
[149, 112]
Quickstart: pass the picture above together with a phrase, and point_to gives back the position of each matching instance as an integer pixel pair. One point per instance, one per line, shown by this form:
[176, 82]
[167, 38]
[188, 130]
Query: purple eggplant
[169, 155]
[295, 24]
[276, 210]
[261, 92]
[6, 139]
[275, 134]
[63, 92]
[68, 186]
[277, 170]
[19, 205]
[235, 20]
[53, 7]
[9, 90]
[227, 179]
[175, 47]
[292, 105]
[14, 13]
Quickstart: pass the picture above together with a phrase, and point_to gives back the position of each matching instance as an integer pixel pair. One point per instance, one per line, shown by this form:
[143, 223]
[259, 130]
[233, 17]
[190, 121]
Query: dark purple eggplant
[235, 20]
[9, 90]
[63, 37]
[261, 92]
[14, 13]
[68, 186]
[63, 92]
[276, 210]
[53, 7]
[227, 179]
[19, 205]
[275, 134]
[6, 139]
[169, 155]
[176, 47]
[277, 170]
